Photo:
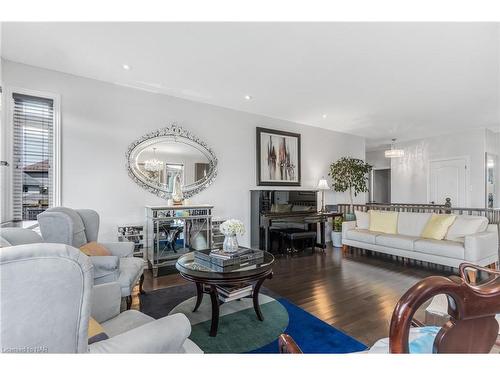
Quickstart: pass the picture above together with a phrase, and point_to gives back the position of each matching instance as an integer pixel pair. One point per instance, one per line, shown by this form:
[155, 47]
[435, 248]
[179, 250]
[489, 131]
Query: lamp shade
[323, 184]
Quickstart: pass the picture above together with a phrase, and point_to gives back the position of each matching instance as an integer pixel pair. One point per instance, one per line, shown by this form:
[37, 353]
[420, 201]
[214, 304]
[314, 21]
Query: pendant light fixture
[394, 152]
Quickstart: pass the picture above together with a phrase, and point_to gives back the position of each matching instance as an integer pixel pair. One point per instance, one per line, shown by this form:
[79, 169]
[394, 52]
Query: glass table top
[198, 265]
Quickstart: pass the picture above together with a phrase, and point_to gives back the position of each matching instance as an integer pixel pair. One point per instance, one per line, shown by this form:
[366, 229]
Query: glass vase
[230, 244]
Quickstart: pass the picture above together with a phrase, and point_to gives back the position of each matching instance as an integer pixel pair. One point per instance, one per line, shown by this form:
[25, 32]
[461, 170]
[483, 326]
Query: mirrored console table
[172, 231]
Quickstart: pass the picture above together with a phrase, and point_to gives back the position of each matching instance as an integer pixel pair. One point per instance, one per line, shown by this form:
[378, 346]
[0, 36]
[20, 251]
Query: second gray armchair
[48, 297]
[77, 227]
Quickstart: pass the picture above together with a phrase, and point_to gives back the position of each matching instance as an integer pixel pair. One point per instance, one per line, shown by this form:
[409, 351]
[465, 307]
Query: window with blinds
[33, 154]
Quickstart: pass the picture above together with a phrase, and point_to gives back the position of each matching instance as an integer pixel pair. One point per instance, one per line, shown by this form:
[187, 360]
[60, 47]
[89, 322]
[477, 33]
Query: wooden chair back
[472, 308]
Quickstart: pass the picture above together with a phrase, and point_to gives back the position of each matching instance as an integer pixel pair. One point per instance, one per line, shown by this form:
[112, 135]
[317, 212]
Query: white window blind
[33, 155]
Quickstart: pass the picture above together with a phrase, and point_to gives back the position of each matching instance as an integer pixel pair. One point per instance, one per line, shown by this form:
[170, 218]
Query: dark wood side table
[207, 279]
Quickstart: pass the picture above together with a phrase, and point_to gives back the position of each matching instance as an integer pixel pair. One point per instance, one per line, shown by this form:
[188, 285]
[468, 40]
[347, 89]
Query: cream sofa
[469, 239]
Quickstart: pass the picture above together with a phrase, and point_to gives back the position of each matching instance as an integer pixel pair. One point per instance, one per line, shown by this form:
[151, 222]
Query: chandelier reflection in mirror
[159, 160]
[153, 165]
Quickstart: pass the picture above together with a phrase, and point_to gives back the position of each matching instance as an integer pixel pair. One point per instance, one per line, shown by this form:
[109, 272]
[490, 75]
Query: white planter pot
[337, 239]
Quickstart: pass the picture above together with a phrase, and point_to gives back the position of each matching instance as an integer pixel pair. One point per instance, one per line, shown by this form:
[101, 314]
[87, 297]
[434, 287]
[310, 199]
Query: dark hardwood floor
[355, 292]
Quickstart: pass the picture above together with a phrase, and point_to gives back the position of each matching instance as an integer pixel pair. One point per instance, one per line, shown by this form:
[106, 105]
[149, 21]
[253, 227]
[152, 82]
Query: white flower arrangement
[232, 227]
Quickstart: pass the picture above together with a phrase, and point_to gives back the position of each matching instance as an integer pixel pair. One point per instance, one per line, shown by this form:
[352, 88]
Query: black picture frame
[274, 132]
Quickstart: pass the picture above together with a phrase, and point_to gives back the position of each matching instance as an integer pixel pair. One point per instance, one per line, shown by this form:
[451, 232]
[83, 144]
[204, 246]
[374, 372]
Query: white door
[448, 179]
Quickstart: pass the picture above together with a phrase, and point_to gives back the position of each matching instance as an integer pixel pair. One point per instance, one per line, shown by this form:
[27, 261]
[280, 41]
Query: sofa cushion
[362, 235]
[465, 225]
[396, 241]
[412, 223]
[384, 221]
[362, 219]
[443, 248]
[437, 226]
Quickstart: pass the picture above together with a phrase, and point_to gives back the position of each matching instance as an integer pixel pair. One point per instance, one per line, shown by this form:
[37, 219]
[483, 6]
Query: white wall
[409, 174]
[99, 121]
[377, 159]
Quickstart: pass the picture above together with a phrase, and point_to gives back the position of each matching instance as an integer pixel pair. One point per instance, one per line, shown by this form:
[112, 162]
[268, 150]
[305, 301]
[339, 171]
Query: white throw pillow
[466, 225]
[412, 223]
[362, 219]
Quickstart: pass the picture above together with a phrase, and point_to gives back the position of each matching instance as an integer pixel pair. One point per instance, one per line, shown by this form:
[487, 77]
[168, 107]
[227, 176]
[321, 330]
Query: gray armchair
[37, 317]
[78, 227]
[18, 236]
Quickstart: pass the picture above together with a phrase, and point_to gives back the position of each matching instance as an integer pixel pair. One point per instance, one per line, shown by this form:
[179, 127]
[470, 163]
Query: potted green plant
[337, 231]
[350, 174]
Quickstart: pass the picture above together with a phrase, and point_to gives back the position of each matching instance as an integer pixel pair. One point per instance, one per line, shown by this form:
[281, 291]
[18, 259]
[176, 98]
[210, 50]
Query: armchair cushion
[4, 242]
[119, 249]
[106, 301]
[62, 225]
[18, 236]
[165, 335]
[106, 269]
[94, 249]
[420, 340]
[125, 321]
[90, 220]
[130, 271]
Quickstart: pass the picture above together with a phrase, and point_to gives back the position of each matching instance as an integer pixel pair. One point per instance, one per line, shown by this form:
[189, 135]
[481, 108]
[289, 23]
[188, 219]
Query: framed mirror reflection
[171, 158]
[491, 180]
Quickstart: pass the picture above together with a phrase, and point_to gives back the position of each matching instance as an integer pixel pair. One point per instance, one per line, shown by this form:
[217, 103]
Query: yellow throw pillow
[384, 221]
[437, 226]
[96, 332]
[93, 249]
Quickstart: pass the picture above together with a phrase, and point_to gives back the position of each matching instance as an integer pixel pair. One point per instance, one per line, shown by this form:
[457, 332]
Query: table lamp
[323, 185]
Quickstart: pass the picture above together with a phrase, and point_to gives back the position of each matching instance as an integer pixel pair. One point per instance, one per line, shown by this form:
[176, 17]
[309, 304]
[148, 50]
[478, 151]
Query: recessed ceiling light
[126, 67]
[248, 97]
[324, 115]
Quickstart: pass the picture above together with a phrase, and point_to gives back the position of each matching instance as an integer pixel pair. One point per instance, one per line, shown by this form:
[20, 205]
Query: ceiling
[376, 80]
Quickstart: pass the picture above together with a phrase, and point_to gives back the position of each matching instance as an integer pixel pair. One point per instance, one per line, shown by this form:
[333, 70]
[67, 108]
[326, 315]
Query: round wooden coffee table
[207, 279]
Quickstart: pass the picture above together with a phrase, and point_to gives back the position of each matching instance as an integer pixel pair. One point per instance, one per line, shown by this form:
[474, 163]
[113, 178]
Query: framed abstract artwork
[278, 158]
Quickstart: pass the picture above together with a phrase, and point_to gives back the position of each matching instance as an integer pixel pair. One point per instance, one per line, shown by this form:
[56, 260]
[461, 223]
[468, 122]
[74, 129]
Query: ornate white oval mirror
[163, 158]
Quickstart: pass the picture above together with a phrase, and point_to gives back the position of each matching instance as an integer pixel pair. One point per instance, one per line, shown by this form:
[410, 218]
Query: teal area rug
[239, 329]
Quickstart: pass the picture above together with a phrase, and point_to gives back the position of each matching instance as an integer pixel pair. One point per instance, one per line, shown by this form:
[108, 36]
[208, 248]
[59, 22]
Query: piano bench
[293, 235]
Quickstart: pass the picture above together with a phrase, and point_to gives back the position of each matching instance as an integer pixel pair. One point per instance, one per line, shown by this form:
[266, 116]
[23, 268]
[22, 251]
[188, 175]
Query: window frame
[8, 136]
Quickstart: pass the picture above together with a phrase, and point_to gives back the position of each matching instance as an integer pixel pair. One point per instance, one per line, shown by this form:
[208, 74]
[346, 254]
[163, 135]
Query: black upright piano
[285, 208]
